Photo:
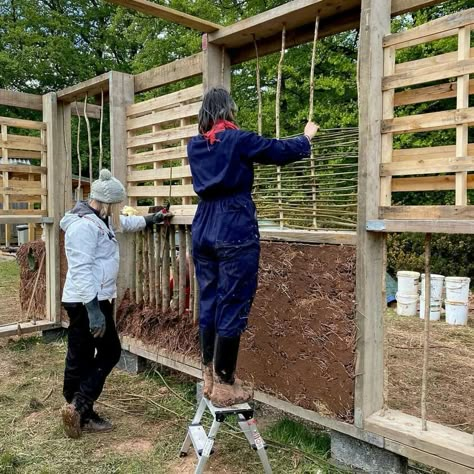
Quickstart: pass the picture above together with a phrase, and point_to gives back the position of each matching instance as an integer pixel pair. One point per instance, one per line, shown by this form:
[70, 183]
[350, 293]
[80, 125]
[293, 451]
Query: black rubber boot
[227, 390]
[92, 422]
[72, 415]
[207, 339]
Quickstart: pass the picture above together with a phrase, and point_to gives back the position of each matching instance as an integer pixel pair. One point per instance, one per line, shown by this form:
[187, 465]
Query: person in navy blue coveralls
[226, 247]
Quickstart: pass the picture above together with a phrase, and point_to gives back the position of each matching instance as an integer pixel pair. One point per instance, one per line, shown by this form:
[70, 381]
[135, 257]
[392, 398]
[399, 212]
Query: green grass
[151, 414]
[9, 273]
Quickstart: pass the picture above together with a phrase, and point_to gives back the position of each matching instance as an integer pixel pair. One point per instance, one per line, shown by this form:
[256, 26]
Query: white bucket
[456, 313]
[406, 304]
[408, 283]
[436, 284]
[457, 289]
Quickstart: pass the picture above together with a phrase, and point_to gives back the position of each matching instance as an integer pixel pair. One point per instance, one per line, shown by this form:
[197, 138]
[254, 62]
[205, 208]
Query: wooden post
[192, 289]
[375, 23]
[6, 197]
[165, 268]
[53, 116]
[174, 267]
[121, 94]
[182, 269]
[216, 67]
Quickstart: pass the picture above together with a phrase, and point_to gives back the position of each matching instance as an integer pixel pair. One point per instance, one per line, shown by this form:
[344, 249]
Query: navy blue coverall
[226, 247]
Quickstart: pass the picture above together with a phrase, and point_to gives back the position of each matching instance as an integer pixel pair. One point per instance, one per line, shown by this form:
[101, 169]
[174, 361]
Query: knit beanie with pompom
[107, 189]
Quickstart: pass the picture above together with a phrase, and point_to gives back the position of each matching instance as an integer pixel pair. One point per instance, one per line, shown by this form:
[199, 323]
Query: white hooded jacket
[92, 253]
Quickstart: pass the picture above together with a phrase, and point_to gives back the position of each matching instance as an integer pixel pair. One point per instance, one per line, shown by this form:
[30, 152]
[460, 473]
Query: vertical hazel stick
[259, 90]
[192, 287]
[157, 236]
[174, 267]
[101, 128]
[146, 274]
[165, 265]
[385, 322]
[139, 263]
[312, 162]
[182, 269]
[426, 332]
[277, 120]
[151, 266]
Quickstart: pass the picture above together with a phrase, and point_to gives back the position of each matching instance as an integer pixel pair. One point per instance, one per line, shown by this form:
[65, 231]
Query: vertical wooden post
[121, 94]
[53, 116]
[165, 268]
[174, 267]
[462, 131]
[375, 23]
[6, 197]
[182, 269]
[216, 67]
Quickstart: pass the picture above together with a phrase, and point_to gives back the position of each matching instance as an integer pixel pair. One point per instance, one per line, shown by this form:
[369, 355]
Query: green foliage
[451, 255]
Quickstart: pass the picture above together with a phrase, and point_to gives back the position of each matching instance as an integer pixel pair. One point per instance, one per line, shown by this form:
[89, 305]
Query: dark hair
[217, 104]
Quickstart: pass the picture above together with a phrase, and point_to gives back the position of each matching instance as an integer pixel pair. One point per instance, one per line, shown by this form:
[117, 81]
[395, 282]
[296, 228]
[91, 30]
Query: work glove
[158, 217]
[96, 318]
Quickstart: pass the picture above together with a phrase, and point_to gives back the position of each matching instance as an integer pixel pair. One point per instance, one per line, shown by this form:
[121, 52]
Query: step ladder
[203, 442]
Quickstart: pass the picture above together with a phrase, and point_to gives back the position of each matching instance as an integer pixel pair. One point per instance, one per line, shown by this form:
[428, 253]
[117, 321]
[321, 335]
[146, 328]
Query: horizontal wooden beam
[440, 440]
[170, 14]
[429, 122]
[155, 156]
[430, 166]
[20, 123]
[91, 87]
[11, 168]
[162, 137]
[404, 6]
[428, 183]
[432, 226]
[19, 329]
[436, 29]
[178, 70]
[181, 190]
[309, 236]
[428, 153]
[178, 172]
[427, 212]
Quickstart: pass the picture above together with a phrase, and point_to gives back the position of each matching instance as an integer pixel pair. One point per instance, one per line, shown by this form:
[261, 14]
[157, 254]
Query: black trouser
[89, 361]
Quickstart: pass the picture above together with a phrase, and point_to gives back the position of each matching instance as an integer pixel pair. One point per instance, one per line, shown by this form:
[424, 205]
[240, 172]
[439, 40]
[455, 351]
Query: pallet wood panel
[428, 183]
[427, 212]
[431, 166]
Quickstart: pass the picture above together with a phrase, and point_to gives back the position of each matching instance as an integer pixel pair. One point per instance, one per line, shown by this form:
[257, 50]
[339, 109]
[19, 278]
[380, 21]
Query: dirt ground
[151, 419]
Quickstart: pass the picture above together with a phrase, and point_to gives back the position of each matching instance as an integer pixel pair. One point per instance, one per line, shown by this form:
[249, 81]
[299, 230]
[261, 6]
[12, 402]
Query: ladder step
[198, 437]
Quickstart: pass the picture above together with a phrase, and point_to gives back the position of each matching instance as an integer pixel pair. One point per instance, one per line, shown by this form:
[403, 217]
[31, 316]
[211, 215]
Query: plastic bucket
[436, 285]
[457, 289]
[456, 313]
[408, 283]
[406, 304]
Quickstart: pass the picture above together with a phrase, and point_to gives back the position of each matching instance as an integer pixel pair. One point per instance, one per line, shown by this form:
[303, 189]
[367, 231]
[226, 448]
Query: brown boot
[225, 395]
[228, 390]
[208, 375]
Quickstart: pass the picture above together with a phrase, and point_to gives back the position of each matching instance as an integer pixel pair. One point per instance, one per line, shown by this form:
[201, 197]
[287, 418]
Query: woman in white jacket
[92, 253]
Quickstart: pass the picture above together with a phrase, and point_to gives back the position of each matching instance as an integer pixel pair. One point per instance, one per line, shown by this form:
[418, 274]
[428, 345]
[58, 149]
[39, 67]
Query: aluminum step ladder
[203, 442]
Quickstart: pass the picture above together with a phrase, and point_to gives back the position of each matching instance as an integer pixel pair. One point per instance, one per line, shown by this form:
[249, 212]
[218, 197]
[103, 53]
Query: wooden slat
[162, 102]
[404, 6]
[169, 73]
[22, 219]
[160, 191]
[23, 168]
[430, 93]
[165, 154]
[170, 14]
[179, 210]
[165, 136]
[428, 183]
[442, 441]
[428, 74]
[431, 166]
[23, 190]
[21, 100]
[25, 143]
[23, 328]
[428, 153]
[20, 123]
[23, 212]
[427, 212]
[92, 87]
[430, 121]
[438, 60]
[432, 226]
[178, 172]
[423, 33]
[170, 115]
[309, 236]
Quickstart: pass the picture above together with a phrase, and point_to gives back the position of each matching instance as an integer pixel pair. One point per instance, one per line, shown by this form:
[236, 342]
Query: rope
[426, 331]
[101, 127]
[89, 138]
[78, 148]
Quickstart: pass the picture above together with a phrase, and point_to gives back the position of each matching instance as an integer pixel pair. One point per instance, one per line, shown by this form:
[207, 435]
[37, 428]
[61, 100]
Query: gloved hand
[96, 318]
[158, 217]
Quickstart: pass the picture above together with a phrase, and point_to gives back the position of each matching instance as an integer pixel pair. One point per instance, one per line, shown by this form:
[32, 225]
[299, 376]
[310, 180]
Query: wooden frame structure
[154, 133]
